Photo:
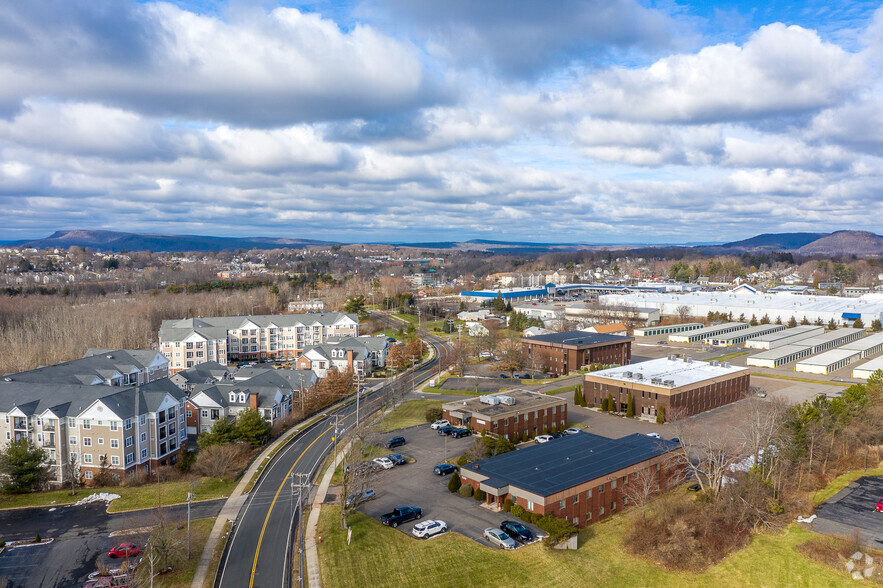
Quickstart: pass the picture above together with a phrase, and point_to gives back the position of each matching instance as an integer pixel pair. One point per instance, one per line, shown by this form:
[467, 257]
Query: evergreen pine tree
[630, 407]
[660, 415]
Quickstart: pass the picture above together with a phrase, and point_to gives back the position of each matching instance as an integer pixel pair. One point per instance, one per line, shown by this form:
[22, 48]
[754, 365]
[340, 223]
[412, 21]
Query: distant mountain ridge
[776, 241]
[836, 243]
[115, 241]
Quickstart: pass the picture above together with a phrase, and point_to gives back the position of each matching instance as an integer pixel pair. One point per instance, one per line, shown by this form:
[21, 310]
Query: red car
[880, 505]
[125, 550]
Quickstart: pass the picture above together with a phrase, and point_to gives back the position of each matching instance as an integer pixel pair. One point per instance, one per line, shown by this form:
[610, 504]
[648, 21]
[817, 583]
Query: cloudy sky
[607, 121]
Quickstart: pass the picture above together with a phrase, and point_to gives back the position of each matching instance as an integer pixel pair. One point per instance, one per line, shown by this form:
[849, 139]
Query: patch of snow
[98, 497]
[808, 519]
[52, 509]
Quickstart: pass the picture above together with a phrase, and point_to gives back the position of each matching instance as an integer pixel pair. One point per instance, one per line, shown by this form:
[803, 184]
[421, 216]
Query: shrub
[556, 527]
[462, 460]
[605, 407]
[432, 414]
[507, 505]
[2, 544]
[465, 490]
[479, 495]
[516, 438]
[660, 415]
[535, 518]
[454, 483]
[517, 510]
[37, 539]
[630, 407]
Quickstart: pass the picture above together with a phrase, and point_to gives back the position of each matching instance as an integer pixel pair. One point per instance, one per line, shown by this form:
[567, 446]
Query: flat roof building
[509, 414]
[507, 294]
[829, 361]
[866, 370]
[832, 339]
[782, 338]
[730, 339]
[707, 332]
[870, 345]
[779, 356]
[562, 353]
[666, 329]
[674, 384]
[579, 477]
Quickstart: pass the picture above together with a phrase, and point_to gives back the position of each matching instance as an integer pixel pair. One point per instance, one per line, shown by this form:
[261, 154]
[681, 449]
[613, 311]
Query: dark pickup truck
[401, 514]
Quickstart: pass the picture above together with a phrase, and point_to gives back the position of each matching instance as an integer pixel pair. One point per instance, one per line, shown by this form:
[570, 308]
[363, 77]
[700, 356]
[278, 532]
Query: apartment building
[362, 355]
[190, 342]
[273, 393]
[203, 373]
[102, 367]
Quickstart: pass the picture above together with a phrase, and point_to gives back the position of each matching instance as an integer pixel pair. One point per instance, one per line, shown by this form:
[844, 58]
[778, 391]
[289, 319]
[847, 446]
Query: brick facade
[562, 355]
[532, 414]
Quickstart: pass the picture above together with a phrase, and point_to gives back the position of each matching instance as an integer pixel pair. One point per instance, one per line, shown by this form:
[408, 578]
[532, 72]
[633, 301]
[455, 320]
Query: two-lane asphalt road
[258, 554]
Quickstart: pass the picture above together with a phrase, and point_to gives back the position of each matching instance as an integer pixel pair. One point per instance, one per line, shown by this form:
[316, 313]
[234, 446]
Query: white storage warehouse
[866, 369]
[779, 356]
[666, 330]
[739, 302]
[782, 338]
[832, 339]
[705, 333]
[870, 345]
[827, 362]
[743, 335]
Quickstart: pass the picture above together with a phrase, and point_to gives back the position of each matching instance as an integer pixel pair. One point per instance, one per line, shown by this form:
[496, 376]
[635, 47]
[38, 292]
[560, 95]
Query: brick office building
[529, 414]
[680, 385]
[561, 353]
[579, 477]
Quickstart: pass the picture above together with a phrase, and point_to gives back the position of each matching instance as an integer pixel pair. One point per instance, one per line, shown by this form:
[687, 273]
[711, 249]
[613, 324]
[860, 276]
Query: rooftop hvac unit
[639, 376]
[672, 358]
[715, 363]
[492, 400]
[688, 359]
[507, 400]
[627, 374]
[727, 364]
[669, 382]
[655, 380]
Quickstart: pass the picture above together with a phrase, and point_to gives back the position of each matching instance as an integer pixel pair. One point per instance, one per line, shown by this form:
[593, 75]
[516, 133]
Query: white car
[654, 435]
[484, 354]
[384, 462]
[439, 424]
[543, 438]
[426, 529]
[571, 431]
[498, 537]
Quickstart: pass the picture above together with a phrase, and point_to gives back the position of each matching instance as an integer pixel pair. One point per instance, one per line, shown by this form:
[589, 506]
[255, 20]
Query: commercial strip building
[517, 412]
[865, 370]
[115, 404]
[667, 329]
[743, 335]
[562, 353]
[580, 478]
[512, 295]
[782, 338]
[744, 302]
[676, 384]
[189, 342]
[707, 332]
[779, 356]
[829, 361]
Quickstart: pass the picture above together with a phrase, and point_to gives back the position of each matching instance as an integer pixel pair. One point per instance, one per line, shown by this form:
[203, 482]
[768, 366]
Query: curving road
[257, 555]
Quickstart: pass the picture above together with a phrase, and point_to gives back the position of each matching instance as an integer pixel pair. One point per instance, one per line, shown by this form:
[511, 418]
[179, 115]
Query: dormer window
[242, 397]
[232, 396]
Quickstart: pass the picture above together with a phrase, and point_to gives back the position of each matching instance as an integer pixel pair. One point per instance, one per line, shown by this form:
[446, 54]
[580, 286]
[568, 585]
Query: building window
[87, 424]
[189, 413]
[87, 441]
[114, 443]
[612, 484]
[130, 457]
[101, 440]
[588, 493]
[115, 460]
[613, 505]
[575, 498]
[589, 516]
[143, 420]
[72, 440]
[144, 437]
[575, 521]
[205, 414]
[70, 422]
[128, 424]
[561, 504]
[114, 426]
[600, 511]
[87, 474]
[129, 441]
[529, 505]
[601, 489]
[143, 453]
[87, 458]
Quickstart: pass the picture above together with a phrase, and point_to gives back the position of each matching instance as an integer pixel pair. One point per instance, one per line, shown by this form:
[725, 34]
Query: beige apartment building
[117, 404]
[188, 342]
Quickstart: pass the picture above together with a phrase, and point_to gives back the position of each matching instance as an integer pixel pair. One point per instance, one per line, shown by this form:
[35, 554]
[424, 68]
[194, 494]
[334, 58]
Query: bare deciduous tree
[221, 461]
[683, 312]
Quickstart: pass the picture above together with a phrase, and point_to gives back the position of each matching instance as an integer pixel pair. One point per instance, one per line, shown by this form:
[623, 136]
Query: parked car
[457, 433]
[517, 531]
[525, 376]
[439, 424]
[542, 438]
[426, 529]
[654, 435]
[397, 458]
[502, 375]
[571, 431]
[443, 469]
[124, 550]
[880, 506]
[485, 354]
[395, 442]
[446, 430]
[500, 538]
[401, 514]
[384, 462]
[556, 435]
[360, 497]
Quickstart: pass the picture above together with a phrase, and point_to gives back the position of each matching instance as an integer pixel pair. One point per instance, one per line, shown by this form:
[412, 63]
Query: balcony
[49, 426]
[49, 442]
[19, 424]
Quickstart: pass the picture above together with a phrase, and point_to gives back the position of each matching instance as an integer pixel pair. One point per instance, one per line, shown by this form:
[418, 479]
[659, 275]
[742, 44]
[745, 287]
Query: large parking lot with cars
[416, 484]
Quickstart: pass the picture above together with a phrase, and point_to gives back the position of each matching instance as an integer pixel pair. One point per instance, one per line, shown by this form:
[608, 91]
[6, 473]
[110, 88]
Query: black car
[443, 469]
[446, 430]
[557, 435]
[525, 377]
[457, 433]
[517, 531]
[397, 458]
[395, 442]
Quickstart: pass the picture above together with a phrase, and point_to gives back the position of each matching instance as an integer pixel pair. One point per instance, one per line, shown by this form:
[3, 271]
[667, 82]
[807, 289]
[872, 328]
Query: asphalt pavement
[258, 552]
[852, 510]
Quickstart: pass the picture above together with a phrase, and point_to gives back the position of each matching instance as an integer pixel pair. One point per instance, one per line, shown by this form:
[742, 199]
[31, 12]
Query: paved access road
[852, 510]
[258, 553]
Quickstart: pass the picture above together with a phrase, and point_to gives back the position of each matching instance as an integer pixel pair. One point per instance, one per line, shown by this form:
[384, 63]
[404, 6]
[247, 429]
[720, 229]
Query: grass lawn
[728, 356]
[131, 498]
[182, 571]
[430, 390]
[408, 318]
[379, 556]
[796, 379]
[410, 413]
[216, 556]
[560, 390]
[841, 482]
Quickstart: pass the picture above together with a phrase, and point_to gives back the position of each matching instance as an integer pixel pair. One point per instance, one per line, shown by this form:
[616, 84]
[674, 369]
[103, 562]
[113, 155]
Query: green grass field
[410, 413]
[380, 556]
[728, 356]
[183, 570]
[131, 498]
[796, 379]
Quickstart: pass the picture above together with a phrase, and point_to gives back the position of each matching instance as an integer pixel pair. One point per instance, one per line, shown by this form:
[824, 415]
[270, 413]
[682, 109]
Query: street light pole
[189, 500]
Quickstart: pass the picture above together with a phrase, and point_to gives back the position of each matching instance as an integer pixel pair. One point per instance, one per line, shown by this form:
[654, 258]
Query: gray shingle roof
[102, 364]
[217, 327]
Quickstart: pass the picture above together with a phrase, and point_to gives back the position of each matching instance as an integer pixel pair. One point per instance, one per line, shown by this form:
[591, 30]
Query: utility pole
[357, 379]
[189, 500]
[303, 483]
[414, 374]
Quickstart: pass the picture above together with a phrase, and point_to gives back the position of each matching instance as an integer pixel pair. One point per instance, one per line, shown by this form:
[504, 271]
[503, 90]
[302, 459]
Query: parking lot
[852, 509]
[415, 484]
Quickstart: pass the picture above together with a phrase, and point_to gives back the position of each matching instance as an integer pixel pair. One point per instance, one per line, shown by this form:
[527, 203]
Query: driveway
[852, 510]
[415, 484]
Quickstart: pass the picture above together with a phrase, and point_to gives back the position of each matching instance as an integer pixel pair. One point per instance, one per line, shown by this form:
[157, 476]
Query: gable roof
[103, 364]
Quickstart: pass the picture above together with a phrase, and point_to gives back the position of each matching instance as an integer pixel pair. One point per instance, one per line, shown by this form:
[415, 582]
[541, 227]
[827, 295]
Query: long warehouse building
[827, 362]
[870, 345]
[867, 369]
[707, 332]
[743, 335]
[832, 339]
[666, 329]
[782, 338]
[743, 302]
[779, 356]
